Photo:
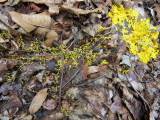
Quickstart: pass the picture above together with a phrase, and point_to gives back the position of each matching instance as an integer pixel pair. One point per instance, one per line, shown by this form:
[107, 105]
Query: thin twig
[60, 89]
[93, 80]
[69, 80]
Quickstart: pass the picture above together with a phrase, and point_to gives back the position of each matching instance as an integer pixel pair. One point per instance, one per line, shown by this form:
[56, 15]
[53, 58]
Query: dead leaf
[38, 100]
[53, 9]
[40, 31]
[84, 71]
[157, 9]
[125, 60]
[52, 65]
[117, 105]
[135, 107]
[35, 7]
[50, 104]
[17, 18]
[133, 79]
[47, 2]
[51, 36]
[154, 111]
[91, 29]
[93, 69]
[13, 101]
[81, 11]
[65, 42]
[29, 22]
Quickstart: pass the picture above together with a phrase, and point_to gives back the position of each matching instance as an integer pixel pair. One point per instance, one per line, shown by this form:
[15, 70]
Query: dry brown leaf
[42, 19]
[52, 2]
[133, 80]
[17, 18]
[157, 9]
[117, 105]
[65, 42]
[93, 69]
[52, 35]
[50, 104]
[29, 22]
[127, 94]
[81, 11]
[53, 9]
[154, 111]
[91, 29]
[135, 107]
[38, 100]
[41, 31]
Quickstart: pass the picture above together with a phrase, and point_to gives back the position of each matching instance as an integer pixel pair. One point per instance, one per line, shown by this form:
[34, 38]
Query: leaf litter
[84, 51]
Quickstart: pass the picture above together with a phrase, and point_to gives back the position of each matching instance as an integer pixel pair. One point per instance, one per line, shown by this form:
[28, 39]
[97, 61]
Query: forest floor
[79, 60]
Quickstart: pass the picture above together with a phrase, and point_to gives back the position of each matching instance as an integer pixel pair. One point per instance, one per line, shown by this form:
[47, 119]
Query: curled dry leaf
[38, 101]
[47, 2]
[92, 69]
[20, 20]
[41, 31]
[50, 104]
[51, 36]
[91, 29]
[29, 22]
[81, 11]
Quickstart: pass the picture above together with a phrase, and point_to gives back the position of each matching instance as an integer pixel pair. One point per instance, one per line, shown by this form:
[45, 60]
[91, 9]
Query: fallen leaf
[125, 60]
[13, 102]
[52, 65]
[154, 111]
[17, 18]
[35, 7]
[40, 31]
[93, 69]
[51, 36]
[157, 9]
[38, 101]
[81, 11]
[47, 2]
[53, 9]
[135, 107]
[29, 22]
[91, 29]
[117, 105]
[133, 79]
[50, 104]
